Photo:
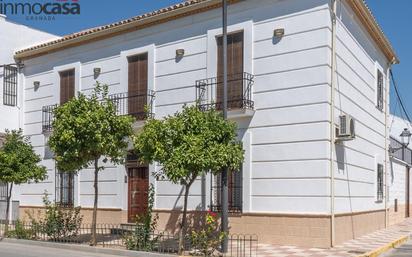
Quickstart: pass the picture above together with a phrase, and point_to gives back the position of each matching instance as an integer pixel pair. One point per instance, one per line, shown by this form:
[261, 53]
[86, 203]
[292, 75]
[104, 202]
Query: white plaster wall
[286, 145]
[397, 182]
[286, 167]
[357, 61]
[14, 36]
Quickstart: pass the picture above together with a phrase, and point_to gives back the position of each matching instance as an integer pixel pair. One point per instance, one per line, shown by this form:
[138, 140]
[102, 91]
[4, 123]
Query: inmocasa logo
[46, 9]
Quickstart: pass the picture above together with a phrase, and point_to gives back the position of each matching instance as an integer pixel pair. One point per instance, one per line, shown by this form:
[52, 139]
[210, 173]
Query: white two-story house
[12, 37]
[308, 88]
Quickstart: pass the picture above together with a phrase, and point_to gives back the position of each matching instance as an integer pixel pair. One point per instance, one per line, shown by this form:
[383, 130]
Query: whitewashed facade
[12, 37]
[298, 186]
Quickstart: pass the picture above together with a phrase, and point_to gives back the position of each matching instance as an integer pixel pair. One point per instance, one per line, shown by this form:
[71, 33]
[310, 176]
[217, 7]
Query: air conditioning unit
[346, 129]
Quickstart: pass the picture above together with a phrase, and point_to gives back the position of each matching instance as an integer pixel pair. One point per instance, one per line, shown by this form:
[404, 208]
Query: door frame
[133, 165]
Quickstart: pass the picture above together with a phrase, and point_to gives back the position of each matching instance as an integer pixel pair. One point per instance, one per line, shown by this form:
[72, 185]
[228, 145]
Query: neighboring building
[399, 177]
[297, 185]
[12, 37]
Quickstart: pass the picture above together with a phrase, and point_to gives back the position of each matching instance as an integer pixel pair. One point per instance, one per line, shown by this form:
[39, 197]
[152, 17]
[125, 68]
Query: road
[404, 250]
[20, 250]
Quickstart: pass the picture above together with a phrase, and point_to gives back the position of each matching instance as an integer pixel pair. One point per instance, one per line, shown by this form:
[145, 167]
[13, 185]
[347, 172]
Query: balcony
[138, 105]
[209, 94]
[48, 117]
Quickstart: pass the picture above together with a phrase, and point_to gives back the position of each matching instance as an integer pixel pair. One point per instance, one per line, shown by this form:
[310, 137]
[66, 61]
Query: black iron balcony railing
[209, 92]
[48, 117]
[136, 104]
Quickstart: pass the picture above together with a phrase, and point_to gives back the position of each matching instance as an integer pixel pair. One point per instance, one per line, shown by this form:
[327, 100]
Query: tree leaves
[18, 161]
[86, 128]
[189, 143]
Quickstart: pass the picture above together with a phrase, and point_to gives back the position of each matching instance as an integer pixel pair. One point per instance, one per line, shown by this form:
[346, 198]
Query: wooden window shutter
[67, 84]
[137, 85]
[235, 54]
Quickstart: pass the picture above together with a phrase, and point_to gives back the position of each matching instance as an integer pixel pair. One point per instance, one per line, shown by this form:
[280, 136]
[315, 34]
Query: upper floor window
[235, 53]
[379, 91]
[66, 85]
[10, 73]
[137, 85]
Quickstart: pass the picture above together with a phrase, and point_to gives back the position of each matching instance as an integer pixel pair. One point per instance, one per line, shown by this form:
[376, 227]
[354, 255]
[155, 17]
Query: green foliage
[86, 128]
[189, 143]
[18, 161]
[207, 241]
[142, 237]
[20, 232]
[58, 222]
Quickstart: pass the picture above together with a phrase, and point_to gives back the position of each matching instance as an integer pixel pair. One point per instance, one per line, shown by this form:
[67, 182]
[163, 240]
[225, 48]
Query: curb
[385, 248]
[85, 248]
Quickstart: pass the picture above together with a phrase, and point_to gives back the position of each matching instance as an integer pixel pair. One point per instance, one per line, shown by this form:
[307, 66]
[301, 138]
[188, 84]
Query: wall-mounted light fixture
[36, 85]
[96, 72]
[279, 33]
[180, 52]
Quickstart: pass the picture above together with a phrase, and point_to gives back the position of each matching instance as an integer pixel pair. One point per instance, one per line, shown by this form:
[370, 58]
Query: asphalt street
[404, 250]
[20, 250]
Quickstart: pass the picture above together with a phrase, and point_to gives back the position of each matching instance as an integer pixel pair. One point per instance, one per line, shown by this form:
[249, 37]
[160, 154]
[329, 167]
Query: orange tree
[85, 130]
[188, 144]
[18, 164]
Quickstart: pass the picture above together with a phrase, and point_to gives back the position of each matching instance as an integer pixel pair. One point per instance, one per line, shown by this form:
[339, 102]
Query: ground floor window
[65, 189]
[3, 191]
[380, 182]
[234, 192]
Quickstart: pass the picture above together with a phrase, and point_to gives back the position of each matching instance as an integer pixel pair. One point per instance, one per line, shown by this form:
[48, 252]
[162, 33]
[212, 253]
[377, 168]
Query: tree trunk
[93, 241]
[183, 224]
[6, 227]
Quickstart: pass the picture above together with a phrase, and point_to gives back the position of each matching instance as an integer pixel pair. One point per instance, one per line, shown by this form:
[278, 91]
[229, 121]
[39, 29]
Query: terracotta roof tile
[112, 25]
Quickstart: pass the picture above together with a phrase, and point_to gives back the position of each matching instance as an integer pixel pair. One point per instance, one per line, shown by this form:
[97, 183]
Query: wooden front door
[138, 191]
[234, 71]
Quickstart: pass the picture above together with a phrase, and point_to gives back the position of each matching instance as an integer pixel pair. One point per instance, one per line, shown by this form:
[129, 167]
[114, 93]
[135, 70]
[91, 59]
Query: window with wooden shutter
[137, 85]
[10, 73]
[67, 84]
[235, 191]
[379, 91]
[234, 71]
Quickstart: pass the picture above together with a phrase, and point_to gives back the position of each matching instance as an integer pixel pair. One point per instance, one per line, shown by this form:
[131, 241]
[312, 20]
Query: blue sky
[393, 16]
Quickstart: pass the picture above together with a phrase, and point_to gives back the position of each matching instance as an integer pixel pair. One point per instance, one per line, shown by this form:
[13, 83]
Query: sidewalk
[356, 247]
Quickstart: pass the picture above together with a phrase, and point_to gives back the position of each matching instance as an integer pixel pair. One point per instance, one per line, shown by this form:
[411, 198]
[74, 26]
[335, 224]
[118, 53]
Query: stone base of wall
[352, 225]
[288, 229]
[279, 229]
[399, 215]
[104, 216]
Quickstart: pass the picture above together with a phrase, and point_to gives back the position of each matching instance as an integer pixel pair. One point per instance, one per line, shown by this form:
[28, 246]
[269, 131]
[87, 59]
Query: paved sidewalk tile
[350, 248]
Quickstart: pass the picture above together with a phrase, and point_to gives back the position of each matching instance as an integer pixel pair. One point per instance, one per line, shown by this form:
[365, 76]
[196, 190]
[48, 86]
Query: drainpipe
[332, 125]
[386, 141]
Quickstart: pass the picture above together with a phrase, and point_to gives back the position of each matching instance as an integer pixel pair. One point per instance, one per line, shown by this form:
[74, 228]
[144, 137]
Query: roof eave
[370, 23]
[119, 29]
